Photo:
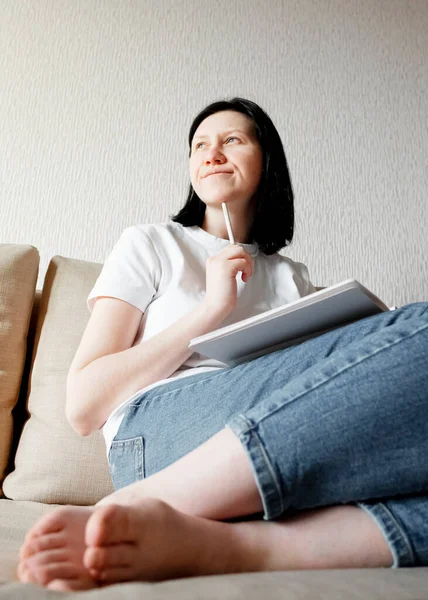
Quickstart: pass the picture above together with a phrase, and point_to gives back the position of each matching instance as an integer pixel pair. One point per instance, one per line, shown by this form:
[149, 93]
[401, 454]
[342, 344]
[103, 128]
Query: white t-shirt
[160, 269]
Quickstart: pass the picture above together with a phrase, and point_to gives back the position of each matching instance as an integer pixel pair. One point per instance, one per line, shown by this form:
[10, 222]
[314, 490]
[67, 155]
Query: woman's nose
[214, 156]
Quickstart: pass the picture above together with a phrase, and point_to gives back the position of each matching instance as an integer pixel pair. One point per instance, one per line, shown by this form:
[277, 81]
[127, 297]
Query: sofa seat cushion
[16, 518]
[350, 584]
[19, 266]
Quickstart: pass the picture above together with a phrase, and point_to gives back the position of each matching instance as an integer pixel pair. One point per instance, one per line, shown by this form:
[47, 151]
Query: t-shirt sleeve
[302, 279]
[131, 272]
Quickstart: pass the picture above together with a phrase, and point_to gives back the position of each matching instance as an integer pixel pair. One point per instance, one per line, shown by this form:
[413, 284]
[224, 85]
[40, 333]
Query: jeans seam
[387, 523]
[348, 366]
[261, 452]
[126, 442]
[135, 445]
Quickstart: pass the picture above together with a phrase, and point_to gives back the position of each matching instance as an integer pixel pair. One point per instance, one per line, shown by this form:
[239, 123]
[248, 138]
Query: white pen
[228, 224]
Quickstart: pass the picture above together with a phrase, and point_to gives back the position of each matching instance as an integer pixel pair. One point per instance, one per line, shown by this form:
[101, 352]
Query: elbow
[76, 416]
[78, 422]
[81, 429]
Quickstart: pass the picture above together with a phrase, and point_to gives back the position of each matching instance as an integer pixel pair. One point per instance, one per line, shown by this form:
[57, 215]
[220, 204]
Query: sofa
[44, 463]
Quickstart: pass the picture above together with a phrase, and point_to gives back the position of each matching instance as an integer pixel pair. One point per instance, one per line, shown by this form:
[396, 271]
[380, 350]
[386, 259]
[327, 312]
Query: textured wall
[97, 97]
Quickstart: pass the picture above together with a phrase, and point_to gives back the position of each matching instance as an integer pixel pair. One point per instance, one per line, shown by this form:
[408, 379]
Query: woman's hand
[221, 271]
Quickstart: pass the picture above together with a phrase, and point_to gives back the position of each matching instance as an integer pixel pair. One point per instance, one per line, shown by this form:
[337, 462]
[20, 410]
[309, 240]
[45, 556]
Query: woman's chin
[217, 201]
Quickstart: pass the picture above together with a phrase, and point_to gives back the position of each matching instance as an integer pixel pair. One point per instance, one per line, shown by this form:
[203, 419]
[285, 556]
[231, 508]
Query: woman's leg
[151, 541]
[351, 426]
[405, 324]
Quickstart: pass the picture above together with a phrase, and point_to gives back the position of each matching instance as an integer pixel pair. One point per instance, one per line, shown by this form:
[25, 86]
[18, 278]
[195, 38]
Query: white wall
[97, 97]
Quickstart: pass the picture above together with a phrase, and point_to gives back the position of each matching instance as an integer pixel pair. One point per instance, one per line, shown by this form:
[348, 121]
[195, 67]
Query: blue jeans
[340, 418]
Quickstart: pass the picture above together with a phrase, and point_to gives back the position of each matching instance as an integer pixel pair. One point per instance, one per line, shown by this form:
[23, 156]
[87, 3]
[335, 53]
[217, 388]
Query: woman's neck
[214, 223]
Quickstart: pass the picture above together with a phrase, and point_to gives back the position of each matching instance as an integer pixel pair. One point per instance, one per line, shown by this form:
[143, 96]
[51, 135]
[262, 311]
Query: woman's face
[226, 141]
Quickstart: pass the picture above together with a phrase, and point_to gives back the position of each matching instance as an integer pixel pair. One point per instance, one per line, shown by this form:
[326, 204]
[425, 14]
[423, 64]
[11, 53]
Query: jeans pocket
[126, 461]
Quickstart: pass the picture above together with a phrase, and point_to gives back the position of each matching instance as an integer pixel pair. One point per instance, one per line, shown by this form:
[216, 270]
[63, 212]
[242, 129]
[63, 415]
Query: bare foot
[154, 542]
[52, 553]
[77, 548]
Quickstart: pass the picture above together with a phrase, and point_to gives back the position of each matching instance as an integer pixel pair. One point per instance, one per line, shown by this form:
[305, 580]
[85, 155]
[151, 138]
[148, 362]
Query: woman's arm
[106, 369]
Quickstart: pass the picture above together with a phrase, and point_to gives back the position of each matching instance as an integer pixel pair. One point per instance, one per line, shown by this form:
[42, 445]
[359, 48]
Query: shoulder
[159, 243]
[298, 271]
[150, 233]
[294, 265]
[154, 231]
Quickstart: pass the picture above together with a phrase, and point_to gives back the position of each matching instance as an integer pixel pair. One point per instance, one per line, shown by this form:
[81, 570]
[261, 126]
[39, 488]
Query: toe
[45, 566]
[45, 573]
[107, 525]
[26, 549]
[49, 523]
[24, 574]
[72, 585]
[62, 585]
[116, 575]
[100, 558]
[114, 523]
[44, 542]
[20, 570]
[46, 557]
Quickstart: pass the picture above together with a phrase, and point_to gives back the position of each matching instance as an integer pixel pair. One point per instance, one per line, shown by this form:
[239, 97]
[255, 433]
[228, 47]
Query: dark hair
[273, 224]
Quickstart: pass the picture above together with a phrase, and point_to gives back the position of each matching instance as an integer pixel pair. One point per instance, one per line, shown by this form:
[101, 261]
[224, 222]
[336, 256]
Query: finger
[241, 264]
[247, 272]
[232, 251]
[244, 254]
[237, 265]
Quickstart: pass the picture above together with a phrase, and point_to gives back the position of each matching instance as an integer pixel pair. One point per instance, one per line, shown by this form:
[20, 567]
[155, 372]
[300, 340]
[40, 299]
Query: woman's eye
[228, 139]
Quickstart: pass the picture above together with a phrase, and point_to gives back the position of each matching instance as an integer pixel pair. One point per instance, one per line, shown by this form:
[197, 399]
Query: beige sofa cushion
[19, 267]
[53, 464]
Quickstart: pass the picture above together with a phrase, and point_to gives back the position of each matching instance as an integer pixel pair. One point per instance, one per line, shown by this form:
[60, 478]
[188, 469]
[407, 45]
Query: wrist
[214, 312]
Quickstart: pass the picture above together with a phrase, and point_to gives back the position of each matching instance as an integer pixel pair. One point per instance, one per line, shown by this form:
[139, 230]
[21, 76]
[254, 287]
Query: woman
[309, 457]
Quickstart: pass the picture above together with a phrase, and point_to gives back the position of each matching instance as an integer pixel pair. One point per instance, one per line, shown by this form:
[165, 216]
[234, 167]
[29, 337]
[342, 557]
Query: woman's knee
[415, 310]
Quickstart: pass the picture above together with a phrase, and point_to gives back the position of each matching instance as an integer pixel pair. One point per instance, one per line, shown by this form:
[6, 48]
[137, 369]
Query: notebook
[290, 324]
